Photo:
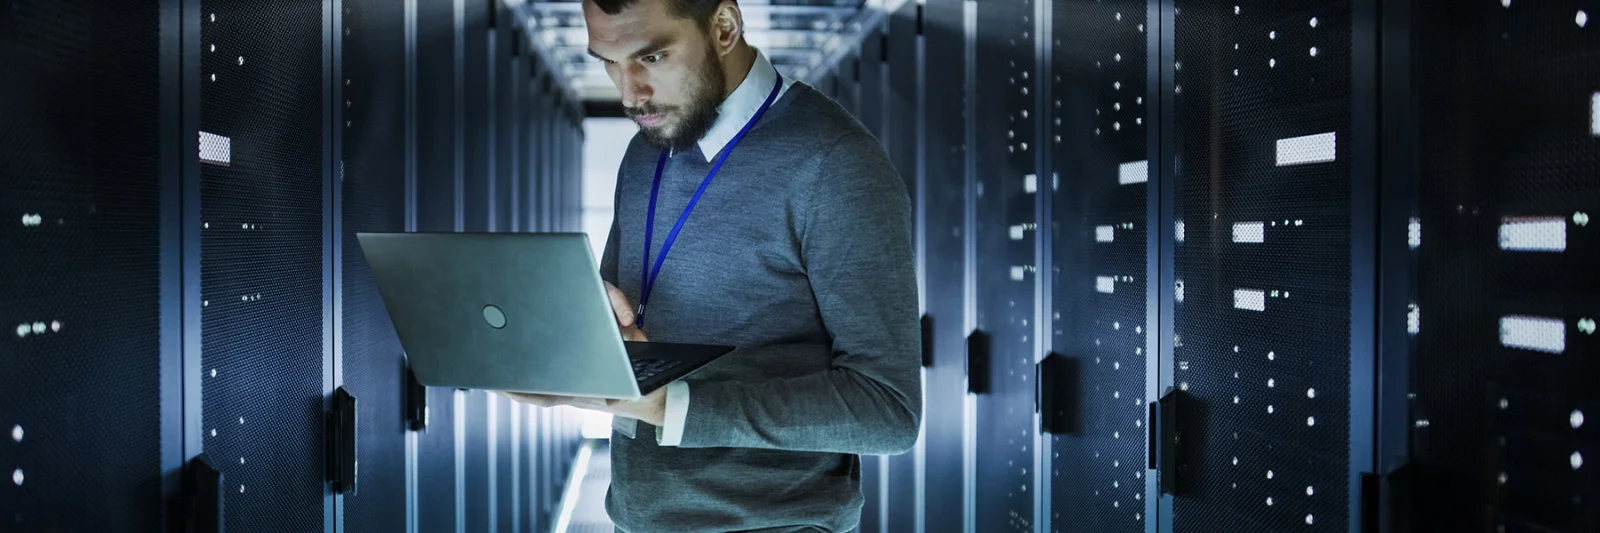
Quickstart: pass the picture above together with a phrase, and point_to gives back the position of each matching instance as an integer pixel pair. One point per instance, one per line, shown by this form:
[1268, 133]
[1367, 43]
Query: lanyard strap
[649, 275]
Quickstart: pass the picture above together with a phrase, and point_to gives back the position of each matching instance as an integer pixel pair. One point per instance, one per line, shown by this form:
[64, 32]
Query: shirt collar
[737, 109]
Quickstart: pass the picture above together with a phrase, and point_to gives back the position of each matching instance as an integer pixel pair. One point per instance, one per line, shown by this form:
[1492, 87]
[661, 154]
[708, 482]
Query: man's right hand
[624, 311]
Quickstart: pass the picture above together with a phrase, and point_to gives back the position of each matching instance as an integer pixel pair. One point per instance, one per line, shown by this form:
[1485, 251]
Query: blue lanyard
[649, 275]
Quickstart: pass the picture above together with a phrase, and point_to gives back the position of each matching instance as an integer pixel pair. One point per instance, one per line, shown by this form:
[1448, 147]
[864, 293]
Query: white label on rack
[1250, 232]
[1105, 284]
[1133, 172]
[1533, 234]
[1594, 115]
[1030, 184]
[215, 149]
[1105, 234]
[1320, 148]
[1539, 334]
[1250, 300]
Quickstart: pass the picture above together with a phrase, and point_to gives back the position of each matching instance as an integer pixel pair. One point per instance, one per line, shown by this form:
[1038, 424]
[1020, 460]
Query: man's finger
[620, 305]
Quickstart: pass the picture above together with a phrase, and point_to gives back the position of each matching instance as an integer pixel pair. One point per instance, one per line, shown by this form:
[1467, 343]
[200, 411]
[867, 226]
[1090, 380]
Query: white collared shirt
[737, 109]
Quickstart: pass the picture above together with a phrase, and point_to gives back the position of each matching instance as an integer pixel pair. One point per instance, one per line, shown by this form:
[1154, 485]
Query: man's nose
[635, 89]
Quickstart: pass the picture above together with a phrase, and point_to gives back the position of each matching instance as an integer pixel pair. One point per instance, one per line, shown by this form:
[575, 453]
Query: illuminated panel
[1320, 148]
[1134, 172]
[1250, 300]
[1533, 333]
[216, 149]
[1594, 115]
[1105, 234]
[1533, 234]
[1250, 232]
[1105, 284]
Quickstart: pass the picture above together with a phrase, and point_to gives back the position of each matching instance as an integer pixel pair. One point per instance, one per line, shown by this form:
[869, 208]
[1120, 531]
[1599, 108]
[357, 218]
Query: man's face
[667, 68]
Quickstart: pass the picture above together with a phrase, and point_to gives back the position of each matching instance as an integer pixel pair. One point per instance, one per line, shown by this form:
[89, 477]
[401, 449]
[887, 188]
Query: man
[796, 248]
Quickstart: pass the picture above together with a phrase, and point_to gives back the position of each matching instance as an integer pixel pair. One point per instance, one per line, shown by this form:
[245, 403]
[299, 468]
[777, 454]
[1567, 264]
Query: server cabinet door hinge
[883, 47]
[1165, 440]
[341, 442]
[416, 398]
[927, 340]
[978, 362]
[1056, 394]
[494, 13]
[198, 506]
[921, 18]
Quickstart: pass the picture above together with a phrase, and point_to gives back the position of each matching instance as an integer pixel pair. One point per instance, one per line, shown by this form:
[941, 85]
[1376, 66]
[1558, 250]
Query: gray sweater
[800, 254]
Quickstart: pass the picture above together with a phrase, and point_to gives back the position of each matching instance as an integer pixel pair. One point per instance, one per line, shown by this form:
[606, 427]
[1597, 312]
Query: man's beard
[697, 117]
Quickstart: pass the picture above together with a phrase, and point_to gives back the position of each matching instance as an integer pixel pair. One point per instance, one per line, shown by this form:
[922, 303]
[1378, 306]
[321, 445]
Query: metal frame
[332, 227]
[1398, 174]
[1161, 206]
[1364, 256]
[969, 445]
[1044, 245]
[175, 374]
[1159, 238]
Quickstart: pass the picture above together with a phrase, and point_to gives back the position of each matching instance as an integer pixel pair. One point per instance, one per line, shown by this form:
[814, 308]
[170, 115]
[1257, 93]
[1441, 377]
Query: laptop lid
[524, 312]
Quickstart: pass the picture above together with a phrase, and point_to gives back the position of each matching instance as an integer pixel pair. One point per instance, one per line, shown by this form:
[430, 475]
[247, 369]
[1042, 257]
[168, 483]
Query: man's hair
[699, 11]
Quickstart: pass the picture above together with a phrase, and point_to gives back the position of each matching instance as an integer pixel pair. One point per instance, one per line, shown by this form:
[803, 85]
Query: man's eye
[652, 58]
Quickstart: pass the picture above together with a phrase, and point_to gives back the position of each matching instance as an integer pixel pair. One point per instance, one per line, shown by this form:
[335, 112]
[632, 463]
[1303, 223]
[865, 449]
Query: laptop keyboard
[645, 369]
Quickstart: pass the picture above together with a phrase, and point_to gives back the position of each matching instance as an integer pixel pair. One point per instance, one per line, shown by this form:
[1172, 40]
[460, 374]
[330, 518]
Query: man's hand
[652, 408]
[624, 311]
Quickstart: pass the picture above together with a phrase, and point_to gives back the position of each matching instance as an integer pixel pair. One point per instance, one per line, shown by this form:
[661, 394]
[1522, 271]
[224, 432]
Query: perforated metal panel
[374, 200]
[1007, 226]
[1263, 268]
[946, 265]
[504, 474]
[504, 116]
[80, 420]
[262, 260]
[436, 116]
[1504, 246]
[436, 212]
[1099, 127]
[476, 466]
[479, 133]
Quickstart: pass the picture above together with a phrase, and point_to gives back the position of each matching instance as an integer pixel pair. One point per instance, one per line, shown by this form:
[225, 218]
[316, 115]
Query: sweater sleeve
[857, 250]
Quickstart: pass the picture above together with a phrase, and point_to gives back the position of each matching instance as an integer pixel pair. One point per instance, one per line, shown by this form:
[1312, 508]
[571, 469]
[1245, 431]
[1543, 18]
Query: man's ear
[727, 26]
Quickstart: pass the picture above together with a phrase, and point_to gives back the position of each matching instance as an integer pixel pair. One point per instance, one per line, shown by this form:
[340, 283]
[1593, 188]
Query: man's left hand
[650, 409]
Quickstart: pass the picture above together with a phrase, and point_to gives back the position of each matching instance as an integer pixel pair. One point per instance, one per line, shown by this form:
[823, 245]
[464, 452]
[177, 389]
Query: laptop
[516, 312]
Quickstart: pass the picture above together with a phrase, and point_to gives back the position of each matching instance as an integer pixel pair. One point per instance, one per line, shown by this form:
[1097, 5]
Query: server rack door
[944, 273]
[81, 167]
[1005, 232]
[374, 200]
[437, 158]
[1262, 127]
[505, 40]
[262, 249]
[900, 79]
[870, 80]
[1099, 124]
[479, 134]
[504, 475]
[437, 174]
[479, 449]
[1503, 302]
[848, 83]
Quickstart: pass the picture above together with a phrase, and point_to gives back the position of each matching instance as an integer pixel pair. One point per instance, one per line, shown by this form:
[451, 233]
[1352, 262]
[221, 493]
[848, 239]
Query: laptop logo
[494, 316]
